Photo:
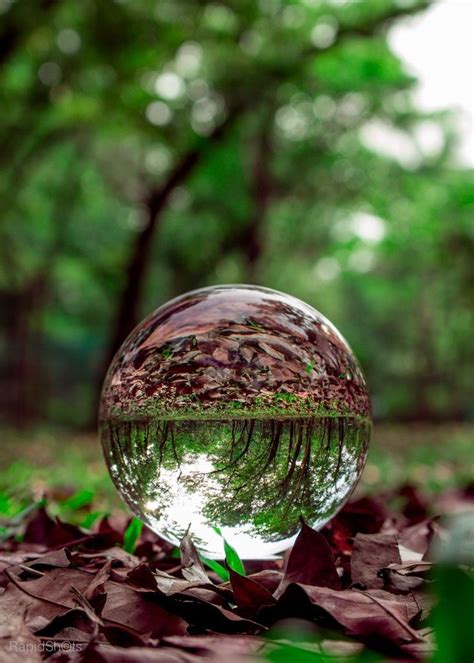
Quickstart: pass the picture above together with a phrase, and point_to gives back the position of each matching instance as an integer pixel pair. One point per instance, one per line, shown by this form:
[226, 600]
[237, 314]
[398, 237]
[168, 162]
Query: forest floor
[388, 579]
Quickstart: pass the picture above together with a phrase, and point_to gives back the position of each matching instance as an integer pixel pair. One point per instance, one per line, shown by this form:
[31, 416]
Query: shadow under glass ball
[238, 408]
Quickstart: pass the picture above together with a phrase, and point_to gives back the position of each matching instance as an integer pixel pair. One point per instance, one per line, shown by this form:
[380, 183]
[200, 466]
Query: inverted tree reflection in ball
[235, 407]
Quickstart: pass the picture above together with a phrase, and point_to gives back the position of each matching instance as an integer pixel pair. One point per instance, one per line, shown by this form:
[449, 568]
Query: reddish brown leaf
[417, 605]
[124, 606]
[96, 585]
[249, 595]
[418, 537]
[311, 562]
[169, 585]
[94, 561]
[360, 614]
[405, 577]
[371, 553]
[56, 559]
[416, 506]
[213, 617]
[42, 529]
[268, 578]
[142, 577]
[54, 586]
[120, 636]
[74, 624]
[109, 532]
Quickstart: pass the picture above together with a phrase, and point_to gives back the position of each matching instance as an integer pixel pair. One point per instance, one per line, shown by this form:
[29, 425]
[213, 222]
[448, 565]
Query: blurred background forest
[149, 148]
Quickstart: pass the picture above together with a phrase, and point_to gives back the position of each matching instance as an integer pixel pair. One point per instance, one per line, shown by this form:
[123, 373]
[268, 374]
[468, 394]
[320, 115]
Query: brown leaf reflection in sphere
[235, 407]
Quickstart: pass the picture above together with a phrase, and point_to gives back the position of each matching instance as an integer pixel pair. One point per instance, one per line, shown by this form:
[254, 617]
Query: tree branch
[158, 198]
[261, 189]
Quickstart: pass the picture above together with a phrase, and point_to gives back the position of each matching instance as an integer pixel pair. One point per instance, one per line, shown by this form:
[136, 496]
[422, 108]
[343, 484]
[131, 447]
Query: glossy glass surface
[239, 408]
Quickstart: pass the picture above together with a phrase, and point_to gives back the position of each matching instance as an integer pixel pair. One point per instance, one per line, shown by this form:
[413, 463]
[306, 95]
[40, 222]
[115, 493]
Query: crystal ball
[235, 411]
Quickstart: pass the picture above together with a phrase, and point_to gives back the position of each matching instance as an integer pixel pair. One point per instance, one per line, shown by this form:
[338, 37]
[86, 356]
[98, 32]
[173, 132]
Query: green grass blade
[79, 500]
[131, 535]
[231, 556]
[218, 569]
[91, 518]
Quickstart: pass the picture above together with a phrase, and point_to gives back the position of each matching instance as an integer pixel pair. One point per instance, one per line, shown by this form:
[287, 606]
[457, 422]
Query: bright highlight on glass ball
[239, 408]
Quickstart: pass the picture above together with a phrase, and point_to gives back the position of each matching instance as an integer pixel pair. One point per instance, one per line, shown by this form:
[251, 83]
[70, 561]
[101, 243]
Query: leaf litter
[69, 594]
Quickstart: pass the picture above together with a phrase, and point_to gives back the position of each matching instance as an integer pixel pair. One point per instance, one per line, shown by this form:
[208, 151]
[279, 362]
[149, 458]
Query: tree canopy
[151, 148]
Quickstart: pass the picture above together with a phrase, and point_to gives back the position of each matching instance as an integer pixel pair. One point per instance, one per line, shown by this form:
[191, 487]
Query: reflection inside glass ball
[238, 408]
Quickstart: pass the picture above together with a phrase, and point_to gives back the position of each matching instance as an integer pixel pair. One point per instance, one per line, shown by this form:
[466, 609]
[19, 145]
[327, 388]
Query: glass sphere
[235, 408]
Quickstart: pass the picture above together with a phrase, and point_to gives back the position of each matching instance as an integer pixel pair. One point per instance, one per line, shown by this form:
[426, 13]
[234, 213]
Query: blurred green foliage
[301, 642]
[452, 618]
[150, 148]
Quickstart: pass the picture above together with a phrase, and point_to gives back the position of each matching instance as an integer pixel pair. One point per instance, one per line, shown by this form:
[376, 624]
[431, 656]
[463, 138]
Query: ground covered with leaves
[378, 583]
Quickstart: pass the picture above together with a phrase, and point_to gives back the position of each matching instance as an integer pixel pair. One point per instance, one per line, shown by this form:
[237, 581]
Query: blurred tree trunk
[23, 311]
[22, 376]
[155, 204]
[427, 374]
[261, 190]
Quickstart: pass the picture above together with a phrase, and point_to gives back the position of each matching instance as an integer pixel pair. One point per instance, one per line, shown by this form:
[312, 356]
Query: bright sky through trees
[438, 47]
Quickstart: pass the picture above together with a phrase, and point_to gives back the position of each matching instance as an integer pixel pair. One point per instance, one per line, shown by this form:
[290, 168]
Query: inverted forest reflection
[253, 479]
